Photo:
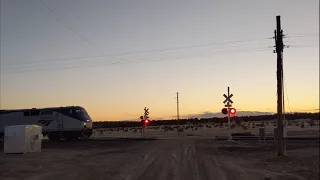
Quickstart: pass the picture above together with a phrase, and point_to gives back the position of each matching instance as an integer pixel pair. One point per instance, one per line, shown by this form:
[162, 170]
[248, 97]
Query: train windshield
[80, 111]
[81, 114]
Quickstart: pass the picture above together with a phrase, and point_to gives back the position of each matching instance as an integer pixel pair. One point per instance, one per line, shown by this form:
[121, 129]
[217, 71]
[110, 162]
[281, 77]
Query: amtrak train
[71, 122]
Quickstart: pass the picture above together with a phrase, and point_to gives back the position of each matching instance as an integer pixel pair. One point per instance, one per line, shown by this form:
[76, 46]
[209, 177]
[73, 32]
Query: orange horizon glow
[96, 115]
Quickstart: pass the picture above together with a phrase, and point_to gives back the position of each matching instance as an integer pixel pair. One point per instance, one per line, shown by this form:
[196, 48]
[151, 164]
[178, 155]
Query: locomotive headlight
[85, 123]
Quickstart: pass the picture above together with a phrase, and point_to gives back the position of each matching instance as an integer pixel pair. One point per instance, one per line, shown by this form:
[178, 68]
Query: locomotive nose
[88, 124]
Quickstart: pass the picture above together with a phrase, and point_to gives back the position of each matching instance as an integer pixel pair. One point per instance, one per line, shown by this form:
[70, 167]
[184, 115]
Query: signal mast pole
[229, 105]
[229, 109]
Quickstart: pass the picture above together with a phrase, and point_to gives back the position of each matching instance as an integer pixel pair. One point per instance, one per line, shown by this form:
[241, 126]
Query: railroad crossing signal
[144, 119]
[147, 121]
[224, 111]
[232, 111]
[228, 98]
[228, 110]
[229, 102]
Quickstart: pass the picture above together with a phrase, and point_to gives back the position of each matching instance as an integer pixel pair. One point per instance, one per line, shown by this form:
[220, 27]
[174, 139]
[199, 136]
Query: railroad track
[266, 138]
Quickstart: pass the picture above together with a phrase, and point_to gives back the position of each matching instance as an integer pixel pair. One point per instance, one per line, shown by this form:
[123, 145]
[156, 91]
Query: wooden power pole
[279, 50]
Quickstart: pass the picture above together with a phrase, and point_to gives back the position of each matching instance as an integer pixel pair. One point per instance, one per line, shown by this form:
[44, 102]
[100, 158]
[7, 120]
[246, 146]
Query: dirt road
[175, 160]
[178, 159]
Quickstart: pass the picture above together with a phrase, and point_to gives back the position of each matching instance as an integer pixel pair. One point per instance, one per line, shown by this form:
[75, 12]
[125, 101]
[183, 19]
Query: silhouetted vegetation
[214, 121]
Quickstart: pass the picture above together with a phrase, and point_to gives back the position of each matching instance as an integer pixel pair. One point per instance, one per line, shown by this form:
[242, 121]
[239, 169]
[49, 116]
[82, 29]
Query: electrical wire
[84, 24]
[118, 62]
[107, 63]
[302, 40]
[55, 16]
[128, 61]
[56, 64]
[50, 64]
[306, 34]
[301, 36]
[138, 52]
[304, 46]
[147, 51]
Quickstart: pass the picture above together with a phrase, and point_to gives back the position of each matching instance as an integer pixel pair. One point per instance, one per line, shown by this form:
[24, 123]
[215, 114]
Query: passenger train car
[71, 122]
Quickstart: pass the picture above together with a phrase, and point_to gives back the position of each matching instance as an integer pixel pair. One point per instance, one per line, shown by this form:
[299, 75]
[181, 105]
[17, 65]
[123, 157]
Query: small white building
[22, 139]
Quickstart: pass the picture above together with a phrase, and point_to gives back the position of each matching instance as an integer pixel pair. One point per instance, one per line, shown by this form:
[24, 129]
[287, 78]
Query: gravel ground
[170, 159]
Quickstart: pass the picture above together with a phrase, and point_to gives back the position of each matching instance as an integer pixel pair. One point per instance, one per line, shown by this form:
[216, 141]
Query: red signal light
[224, 111]
[232, 111]
[147, 121]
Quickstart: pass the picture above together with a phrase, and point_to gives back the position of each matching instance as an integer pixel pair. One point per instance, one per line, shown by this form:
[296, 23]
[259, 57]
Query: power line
[87, 27]
[304, 46]
[301, 36]
[140, 52]
[52, 64]
[107, 63]
[301, 43]
[50, 61]
[55, 16]
[117, 62]
[56, 64]
[120, 62]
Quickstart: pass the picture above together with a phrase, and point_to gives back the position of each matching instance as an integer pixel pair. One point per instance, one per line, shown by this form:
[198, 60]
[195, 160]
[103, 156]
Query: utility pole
[178, 112]
[279, 50]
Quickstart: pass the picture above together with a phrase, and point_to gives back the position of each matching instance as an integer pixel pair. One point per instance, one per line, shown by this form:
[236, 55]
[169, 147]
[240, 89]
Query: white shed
[22, 139]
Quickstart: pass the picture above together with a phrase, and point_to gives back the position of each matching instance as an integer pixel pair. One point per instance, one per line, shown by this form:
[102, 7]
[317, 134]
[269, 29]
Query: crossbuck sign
[146, 111]
[228, 99]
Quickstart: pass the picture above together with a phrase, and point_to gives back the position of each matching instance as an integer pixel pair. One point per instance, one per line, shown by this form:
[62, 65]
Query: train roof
[2, 111]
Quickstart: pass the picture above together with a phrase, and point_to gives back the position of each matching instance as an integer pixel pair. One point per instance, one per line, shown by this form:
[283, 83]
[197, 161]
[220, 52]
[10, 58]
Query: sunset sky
[115, 57]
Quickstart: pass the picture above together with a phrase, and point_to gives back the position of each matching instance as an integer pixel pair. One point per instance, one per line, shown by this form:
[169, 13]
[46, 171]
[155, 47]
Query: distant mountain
[219, 114]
